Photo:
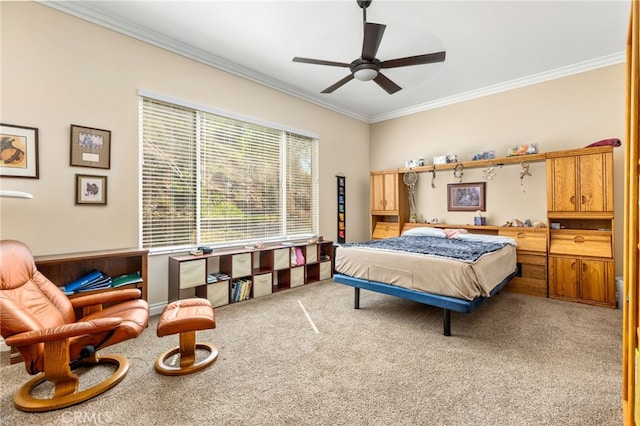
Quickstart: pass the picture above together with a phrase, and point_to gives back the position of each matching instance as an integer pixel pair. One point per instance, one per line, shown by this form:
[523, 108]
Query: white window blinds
[211, 179]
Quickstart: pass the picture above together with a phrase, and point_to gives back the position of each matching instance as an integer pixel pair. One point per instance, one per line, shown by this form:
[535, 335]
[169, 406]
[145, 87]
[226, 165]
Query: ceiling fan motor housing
[365, 70]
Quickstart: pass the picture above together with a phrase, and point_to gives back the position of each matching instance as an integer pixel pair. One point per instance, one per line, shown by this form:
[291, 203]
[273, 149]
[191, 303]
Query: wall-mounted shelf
[530, 158]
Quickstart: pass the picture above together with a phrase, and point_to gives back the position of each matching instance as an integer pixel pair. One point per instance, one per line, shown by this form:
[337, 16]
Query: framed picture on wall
[18, 151]
[90, 147]
[91, 189]
[462, 197]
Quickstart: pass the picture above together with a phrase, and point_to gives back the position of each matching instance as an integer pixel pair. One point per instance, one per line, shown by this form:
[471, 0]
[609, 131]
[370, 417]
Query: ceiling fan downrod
[364, 4]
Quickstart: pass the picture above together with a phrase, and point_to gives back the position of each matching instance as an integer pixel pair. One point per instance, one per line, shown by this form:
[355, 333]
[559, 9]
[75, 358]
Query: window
[211, 178]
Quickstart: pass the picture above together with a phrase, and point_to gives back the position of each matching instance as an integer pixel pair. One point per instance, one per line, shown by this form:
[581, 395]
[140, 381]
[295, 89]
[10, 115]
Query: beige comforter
[447, 277]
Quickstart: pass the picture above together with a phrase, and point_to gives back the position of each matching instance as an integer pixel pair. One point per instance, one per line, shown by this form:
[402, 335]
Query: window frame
[285, 132]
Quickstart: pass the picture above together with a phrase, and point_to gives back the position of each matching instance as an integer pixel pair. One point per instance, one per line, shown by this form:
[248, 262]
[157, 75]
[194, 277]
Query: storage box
[192, 274]
[297, 276]
[281, 258]
[241, 265]
[262, 284]
[218, 293]
[312, 253]
[325, 270]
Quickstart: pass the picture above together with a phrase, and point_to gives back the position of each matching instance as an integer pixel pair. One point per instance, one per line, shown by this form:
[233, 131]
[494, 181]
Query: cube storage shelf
[233, 275]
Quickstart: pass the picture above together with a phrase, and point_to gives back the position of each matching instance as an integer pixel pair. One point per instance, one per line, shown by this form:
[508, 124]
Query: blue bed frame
[447, 303]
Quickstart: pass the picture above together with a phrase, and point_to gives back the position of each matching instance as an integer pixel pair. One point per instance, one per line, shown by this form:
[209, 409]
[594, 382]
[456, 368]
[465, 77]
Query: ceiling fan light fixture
[365, 74]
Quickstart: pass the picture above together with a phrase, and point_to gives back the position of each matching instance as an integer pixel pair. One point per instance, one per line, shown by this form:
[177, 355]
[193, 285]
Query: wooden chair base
[66, 393]
[188, 364]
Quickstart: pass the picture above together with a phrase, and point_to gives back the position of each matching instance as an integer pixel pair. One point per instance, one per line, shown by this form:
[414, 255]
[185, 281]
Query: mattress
[431, 273]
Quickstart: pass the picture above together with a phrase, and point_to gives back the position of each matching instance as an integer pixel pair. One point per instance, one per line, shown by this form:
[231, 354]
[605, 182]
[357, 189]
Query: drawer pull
[573, 200]
[579, 239]
[521, 235]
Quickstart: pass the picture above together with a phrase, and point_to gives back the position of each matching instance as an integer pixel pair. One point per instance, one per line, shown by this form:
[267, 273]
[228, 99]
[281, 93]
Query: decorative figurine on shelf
[524, 171]
[410, 178]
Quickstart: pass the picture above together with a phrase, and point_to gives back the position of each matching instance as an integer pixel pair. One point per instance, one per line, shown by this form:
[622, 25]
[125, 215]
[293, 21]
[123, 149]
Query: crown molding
[569, 70]
[85, 11]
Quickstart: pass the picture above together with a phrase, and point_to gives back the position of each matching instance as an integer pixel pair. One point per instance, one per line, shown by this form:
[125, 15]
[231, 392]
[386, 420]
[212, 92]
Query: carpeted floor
[517, 360]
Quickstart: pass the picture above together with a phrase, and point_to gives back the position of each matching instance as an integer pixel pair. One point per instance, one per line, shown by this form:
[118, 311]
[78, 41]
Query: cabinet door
[384, 192]
[563, 277]
[562, 172]
[593, 176]
[596, 281]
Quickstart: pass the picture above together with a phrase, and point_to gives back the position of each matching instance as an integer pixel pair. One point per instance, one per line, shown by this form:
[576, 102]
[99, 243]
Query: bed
[449, 269]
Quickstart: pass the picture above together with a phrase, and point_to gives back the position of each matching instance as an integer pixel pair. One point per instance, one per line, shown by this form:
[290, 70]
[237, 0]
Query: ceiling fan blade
[372, 38]
[340, 83]
[320, 62]
[429, 58]
[387, 84]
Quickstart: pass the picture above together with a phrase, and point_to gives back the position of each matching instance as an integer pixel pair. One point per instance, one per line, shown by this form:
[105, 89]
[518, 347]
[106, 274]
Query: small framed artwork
[463, 197]
[90, 147]
[91, 189]
[18, 151]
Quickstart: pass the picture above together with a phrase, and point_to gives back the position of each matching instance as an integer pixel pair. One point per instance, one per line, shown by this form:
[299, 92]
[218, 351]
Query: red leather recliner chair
[40, 321]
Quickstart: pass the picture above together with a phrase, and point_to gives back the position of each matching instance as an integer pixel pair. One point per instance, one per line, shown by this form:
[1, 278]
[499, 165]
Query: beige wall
[566, 113]
[59, 70]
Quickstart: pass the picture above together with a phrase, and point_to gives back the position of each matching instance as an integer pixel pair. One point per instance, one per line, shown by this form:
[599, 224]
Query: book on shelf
[240, 290]
[125, 279]
[102, 282]
[81, 282]
[98, 280]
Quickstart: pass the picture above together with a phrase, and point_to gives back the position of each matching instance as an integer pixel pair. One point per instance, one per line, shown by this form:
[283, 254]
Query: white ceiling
[491, 45]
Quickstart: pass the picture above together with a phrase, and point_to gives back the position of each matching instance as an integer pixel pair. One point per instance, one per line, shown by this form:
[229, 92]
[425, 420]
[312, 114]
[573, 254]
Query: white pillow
[487, 238]
[425, 231]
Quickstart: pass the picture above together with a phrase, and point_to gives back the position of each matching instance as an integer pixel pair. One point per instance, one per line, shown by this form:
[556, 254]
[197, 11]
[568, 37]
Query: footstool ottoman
[185, 317]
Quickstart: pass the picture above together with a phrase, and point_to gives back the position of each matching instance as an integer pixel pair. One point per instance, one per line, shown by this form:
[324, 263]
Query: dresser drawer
[534, 239]
[241, 265]
[581, 243]
[386, 230]
[192, 274]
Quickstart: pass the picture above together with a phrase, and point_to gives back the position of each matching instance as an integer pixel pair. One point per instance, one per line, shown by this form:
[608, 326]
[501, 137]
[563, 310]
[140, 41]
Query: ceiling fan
[367, 67]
